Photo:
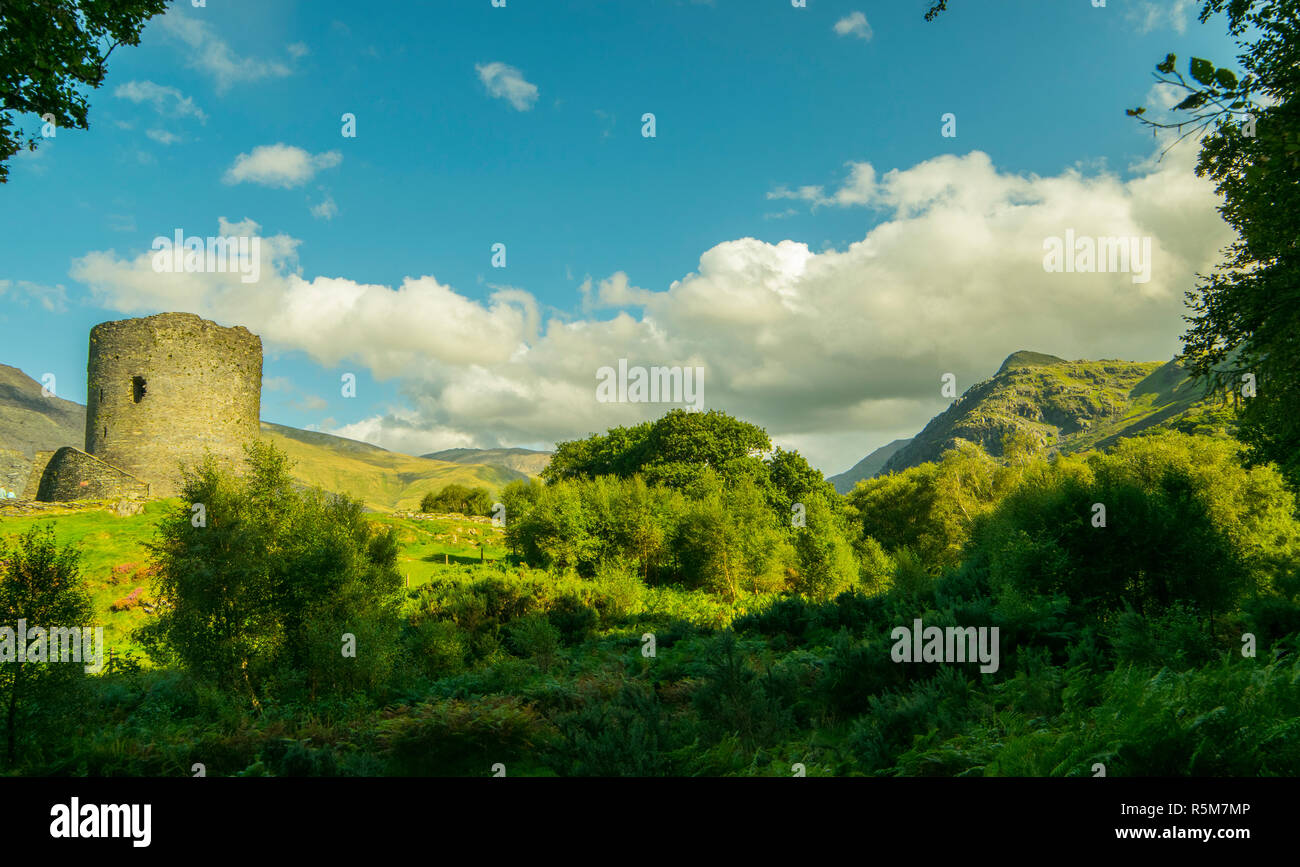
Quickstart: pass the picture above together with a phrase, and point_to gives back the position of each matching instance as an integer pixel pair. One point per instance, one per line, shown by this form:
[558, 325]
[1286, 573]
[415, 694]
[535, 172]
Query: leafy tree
[585, 524]
[614, 453]
[556, 531]
[40, 582]
[271, 579]
[937, 7]
[793, 480]
[875, 566]
[931, 508]
[728, 540]
[824, 559]
[518, 497]
[643, 524]
[458, 499]
[1246, 313]
[670, 451]
[1184, 523]
[51, 51]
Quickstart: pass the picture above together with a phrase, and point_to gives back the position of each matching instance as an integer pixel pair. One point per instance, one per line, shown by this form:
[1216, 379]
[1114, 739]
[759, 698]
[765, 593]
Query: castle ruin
[161, 391]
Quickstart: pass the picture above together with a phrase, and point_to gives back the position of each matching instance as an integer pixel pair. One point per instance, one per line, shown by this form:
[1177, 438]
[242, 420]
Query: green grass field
[114, 557]
[451, 540]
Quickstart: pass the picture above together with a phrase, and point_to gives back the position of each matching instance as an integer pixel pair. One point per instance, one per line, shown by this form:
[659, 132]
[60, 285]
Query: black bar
[659, 818]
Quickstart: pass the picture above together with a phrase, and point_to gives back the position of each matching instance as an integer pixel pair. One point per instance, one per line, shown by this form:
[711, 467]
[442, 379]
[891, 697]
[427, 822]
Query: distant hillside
[867, 467]
[526, 461]
[381, 479]
[1067, 405]
[30, 423]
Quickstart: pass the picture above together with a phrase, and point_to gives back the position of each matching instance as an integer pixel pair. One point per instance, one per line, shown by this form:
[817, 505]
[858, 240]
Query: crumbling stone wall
[35, 474]
[167, 389]
[74, 475]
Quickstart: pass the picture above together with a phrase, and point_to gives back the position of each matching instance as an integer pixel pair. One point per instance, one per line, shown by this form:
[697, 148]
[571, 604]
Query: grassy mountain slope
[526, 461]
[30, 423]
[867, 467]
[382, 479]
[1067, 405]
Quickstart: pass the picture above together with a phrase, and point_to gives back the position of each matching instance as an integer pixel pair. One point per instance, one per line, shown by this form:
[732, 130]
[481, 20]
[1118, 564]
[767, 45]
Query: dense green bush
[458, 499]
[260, 578]
[453, 737]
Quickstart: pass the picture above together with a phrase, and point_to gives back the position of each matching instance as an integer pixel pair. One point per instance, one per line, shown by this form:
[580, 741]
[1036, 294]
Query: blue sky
[522, 125]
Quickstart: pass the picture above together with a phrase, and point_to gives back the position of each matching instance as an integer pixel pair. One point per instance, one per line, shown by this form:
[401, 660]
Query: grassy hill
[114, 561]
[526, 461]
[30, 422]
[1067, 406]
[383, 480]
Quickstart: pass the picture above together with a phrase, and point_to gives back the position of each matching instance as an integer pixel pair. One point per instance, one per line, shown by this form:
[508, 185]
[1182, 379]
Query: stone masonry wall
[37, 472]
[166, 390]
[74, 475]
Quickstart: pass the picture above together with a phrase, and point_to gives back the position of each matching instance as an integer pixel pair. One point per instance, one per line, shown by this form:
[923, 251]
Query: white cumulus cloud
[279, 165]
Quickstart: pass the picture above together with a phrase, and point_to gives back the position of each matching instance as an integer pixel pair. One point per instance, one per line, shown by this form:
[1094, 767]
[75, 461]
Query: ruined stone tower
[165, 389]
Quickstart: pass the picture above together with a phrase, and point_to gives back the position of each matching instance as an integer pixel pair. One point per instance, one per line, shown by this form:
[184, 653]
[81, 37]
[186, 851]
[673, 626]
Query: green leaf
[1196, 100]
[1225, 79]
[1202, 70]
[1168, 65]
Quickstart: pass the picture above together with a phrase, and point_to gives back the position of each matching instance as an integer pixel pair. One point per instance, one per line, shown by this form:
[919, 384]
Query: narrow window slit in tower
[137, 388]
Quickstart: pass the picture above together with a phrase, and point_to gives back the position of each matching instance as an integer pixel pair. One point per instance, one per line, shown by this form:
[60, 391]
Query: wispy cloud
[505, 82]
[53, 298]
[213, 55]
[1154, 14]
[326, 210]
[162, 136]
[293, 396]
[858, 189]
[854, 24]
[167, 101]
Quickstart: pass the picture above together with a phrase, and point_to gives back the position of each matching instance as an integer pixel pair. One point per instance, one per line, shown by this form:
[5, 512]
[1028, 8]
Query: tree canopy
[52, 51]
[1246, 313]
